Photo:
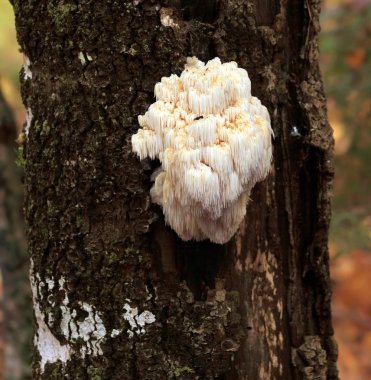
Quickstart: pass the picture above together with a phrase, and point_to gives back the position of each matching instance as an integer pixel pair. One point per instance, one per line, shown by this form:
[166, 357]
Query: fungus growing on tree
[213, 140]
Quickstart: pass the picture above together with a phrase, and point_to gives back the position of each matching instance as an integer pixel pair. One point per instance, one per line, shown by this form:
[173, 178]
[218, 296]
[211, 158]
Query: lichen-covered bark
[117, 294]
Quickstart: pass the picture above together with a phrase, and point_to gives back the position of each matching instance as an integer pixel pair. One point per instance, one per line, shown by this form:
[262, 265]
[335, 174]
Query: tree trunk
[117, 294]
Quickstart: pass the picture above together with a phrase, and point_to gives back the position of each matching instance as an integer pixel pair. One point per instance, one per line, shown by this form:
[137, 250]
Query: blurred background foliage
[15, 304]
[10, 62]
[346, 63]
[345, 45]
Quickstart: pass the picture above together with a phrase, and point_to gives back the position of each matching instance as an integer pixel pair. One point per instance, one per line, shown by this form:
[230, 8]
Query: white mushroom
[213, 140]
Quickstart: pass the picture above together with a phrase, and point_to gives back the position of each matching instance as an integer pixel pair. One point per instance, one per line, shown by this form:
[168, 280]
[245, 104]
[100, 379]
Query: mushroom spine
[213, 140]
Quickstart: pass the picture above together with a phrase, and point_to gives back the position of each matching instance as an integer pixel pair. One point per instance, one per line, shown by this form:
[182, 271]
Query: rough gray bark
[255, 308]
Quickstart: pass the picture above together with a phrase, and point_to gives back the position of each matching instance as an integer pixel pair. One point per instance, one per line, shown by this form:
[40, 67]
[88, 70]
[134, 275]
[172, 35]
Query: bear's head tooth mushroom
[213, 140]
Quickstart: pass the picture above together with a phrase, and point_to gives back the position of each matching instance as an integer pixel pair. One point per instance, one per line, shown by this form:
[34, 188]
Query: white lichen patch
[137, 321]
[27, 73]
[84, 57]
[48, 346]
[295, 132]
[29, 117]
[90, 330]
[213, 140]
[115, 332]
[50, 283]
[166, 18]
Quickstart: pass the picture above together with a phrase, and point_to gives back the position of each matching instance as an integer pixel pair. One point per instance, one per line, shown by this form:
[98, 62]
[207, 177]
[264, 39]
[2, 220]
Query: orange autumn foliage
[352, 314]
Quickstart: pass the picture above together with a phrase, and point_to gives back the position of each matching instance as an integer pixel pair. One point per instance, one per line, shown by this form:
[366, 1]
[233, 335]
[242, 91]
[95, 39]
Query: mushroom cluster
[213, 140]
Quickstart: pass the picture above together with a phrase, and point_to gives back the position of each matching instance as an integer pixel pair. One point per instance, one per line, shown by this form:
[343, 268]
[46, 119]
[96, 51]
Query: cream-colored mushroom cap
[213, 140]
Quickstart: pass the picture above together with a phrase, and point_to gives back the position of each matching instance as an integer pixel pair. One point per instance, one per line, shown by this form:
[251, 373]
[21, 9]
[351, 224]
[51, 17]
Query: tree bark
[117, 294]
